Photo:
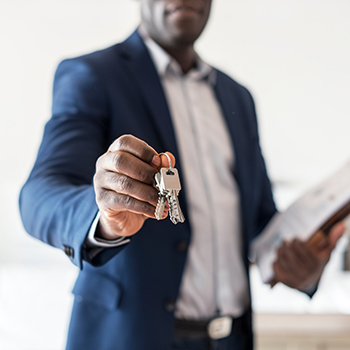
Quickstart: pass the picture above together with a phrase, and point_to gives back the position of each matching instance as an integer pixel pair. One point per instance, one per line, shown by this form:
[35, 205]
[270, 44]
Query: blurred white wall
[293, 56]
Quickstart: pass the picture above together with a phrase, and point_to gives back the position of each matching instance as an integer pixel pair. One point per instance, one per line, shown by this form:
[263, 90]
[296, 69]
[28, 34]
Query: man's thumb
[335, 233]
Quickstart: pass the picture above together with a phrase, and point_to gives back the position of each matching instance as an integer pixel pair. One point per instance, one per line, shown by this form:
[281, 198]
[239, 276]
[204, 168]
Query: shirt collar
[165, 63]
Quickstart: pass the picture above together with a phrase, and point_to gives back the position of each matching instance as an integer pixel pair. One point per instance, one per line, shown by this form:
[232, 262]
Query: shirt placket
[189, 86]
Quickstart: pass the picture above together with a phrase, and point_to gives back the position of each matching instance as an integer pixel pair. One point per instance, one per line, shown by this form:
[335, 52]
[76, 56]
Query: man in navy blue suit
[148, 284]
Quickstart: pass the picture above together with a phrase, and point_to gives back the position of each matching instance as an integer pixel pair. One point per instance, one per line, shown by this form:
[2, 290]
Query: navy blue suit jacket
[125, 297]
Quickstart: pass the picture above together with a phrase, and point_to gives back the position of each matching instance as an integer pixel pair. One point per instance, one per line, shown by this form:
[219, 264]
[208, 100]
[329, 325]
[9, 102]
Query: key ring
[169, 160]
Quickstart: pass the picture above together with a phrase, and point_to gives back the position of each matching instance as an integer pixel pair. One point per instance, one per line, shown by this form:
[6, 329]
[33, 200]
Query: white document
[302, 219]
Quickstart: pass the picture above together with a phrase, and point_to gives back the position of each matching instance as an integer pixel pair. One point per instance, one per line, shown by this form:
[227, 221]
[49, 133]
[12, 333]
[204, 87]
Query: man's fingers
[127, 164]
[285, 267]
[289, 258]
[112, 202]
[136, 147]
[293, 263]
[335, 233]
[128, 186]
[283, 259]
[283, 275]
[304, 256]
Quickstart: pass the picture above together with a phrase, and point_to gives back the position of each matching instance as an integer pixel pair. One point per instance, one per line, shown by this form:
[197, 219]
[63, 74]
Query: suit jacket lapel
[147, 79]
[231, 111]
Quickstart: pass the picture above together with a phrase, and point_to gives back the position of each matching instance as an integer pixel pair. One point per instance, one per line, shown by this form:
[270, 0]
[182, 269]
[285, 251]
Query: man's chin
[185, 34]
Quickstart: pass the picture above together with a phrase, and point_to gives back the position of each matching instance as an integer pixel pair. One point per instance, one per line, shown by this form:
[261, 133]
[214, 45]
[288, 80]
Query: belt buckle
[219, 327]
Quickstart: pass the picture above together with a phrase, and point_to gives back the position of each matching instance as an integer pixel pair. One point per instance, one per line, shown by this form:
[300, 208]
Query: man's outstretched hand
[300, 264]
[124, 186]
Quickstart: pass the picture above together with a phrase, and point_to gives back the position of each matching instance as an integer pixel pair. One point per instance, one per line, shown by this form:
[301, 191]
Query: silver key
[160, 206]
[175, 210]
[162, 196]
[168, 183]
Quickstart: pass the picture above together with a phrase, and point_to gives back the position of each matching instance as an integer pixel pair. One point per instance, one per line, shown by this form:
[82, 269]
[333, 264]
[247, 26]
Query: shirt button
[182, 247]
[169, 305]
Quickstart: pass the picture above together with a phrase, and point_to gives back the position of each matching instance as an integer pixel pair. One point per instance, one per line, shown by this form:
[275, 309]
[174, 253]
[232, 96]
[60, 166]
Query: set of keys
[168, 183]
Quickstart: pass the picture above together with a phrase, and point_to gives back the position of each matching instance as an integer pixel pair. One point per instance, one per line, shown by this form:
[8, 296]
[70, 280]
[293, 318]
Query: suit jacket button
[69, 251]
[169, 305]
[182, 247]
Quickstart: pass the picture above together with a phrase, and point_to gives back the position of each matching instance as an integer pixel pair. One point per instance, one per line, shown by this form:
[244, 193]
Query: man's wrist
[94, 239]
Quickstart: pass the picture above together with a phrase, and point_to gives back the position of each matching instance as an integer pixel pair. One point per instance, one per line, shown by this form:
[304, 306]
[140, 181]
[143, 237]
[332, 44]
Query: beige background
[293, 56]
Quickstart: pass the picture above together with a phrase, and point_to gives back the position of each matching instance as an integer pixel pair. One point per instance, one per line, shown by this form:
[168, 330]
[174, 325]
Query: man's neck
[186, 57]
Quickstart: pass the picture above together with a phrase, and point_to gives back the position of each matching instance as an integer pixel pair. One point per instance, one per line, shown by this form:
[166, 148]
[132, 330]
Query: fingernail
[156, 161]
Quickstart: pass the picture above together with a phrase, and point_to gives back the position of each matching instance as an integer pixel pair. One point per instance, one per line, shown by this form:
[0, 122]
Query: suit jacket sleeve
[57, 203]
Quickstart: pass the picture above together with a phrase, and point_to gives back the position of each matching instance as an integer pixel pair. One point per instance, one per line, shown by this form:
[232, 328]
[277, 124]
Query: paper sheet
[303, 218]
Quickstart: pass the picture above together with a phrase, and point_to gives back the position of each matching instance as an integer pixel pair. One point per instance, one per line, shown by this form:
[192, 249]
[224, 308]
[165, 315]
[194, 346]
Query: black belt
[215, 328]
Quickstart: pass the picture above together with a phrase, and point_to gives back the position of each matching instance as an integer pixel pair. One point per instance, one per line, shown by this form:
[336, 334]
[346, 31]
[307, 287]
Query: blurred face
[175, 23]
